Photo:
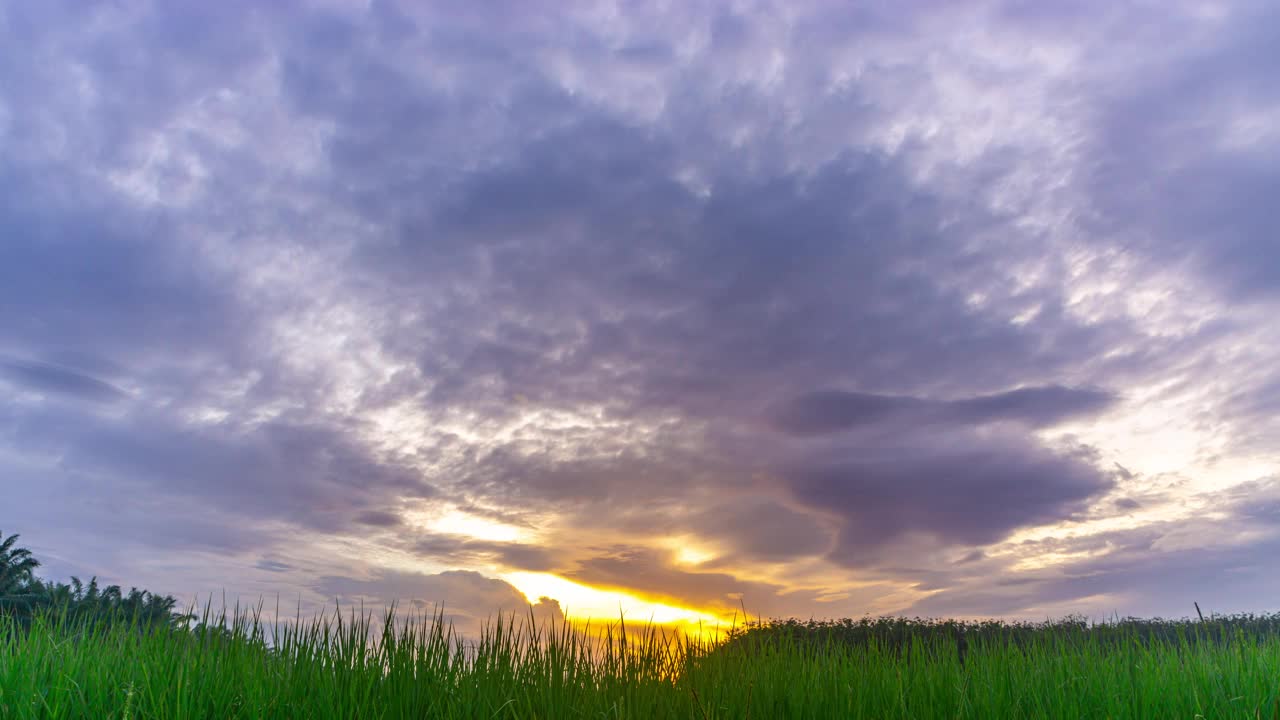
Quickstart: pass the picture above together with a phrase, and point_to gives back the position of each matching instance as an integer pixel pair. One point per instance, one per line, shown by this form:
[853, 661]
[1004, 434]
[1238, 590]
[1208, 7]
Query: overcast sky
[821, 309]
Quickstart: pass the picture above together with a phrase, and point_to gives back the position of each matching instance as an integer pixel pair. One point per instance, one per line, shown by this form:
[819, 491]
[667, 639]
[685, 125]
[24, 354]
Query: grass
[353, 666]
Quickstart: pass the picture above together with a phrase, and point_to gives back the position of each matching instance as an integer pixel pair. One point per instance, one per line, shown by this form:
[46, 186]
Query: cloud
[764, 278]
[379, 518]
[107, 285]
[51, 378]
[835, 410]
[467, 599]
[311, 475]
[274, 566]
[1034, 406]
[652, 574]
[762, 529]
[971, 496]
[460, 550]
[1194, 188]
[1215, 554]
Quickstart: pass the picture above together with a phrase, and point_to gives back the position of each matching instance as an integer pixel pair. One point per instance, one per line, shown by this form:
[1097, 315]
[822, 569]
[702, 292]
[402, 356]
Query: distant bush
[897, 634]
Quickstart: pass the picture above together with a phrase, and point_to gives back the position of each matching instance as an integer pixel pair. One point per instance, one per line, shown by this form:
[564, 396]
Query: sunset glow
[582, 604]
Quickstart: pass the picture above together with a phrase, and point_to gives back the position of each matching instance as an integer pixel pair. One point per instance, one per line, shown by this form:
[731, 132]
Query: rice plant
[352, 664]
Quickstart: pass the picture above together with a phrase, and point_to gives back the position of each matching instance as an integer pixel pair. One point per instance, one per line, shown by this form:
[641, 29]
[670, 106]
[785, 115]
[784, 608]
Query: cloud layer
[822, 311]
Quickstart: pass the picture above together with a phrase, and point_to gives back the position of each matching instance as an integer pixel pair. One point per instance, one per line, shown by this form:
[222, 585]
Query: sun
[582, 603]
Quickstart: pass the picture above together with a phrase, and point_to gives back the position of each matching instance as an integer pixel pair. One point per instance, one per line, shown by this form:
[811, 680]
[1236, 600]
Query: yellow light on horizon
[582, 603]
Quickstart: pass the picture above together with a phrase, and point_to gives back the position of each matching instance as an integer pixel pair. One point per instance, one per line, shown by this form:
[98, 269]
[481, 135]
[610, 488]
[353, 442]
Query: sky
[812, 309]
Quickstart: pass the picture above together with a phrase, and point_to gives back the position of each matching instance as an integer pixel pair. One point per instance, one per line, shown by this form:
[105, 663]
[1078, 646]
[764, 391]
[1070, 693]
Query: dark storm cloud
[834, 410]
[52, 378]
[970, 496]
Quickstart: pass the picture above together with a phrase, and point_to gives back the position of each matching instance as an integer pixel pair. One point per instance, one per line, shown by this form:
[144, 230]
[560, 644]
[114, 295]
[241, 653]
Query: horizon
[809, 309]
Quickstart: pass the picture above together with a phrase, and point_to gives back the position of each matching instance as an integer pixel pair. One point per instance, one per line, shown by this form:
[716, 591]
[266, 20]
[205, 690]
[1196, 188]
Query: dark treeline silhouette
[23, 595]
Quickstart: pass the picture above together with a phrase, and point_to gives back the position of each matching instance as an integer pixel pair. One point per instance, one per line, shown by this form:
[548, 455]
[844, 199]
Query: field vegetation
[69, 656]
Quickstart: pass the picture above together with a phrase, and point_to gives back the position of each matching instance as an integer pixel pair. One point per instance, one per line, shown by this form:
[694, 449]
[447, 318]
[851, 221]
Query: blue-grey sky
[820, 309]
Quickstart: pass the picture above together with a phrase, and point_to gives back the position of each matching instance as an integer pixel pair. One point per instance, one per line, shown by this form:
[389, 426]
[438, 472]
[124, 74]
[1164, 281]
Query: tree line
[23, 595]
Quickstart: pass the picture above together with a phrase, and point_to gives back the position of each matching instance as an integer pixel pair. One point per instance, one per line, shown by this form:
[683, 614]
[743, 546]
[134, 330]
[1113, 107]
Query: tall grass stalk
[353, 665]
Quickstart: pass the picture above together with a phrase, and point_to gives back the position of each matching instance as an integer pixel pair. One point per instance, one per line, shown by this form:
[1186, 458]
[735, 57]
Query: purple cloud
[854, 301]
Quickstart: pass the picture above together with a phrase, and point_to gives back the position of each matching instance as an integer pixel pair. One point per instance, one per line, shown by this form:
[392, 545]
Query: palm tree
[17, 567]
[17, 575]
[92, 602]
[22, 594]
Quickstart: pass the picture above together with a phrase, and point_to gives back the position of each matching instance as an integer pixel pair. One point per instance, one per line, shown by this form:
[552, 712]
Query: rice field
[360, 666]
